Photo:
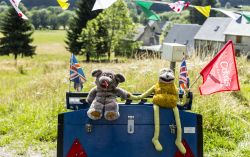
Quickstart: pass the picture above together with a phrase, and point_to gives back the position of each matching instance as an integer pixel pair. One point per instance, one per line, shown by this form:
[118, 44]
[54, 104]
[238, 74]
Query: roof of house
[235, 28]
[138, 32]
[155, 48]
[163, 24]
[182, 34]
[213, 29]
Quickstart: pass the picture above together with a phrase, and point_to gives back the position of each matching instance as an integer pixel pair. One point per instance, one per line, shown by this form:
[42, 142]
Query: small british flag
[183, 78]
[76, 73]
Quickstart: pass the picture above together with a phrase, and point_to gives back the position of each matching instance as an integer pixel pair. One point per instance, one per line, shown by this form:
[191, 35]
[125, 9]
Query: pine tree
[17, 35]
[79, 21]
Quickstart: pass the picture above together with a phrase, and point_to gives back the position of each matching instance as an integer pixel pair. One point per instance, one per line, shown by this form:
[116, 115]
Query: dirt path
[6, 153]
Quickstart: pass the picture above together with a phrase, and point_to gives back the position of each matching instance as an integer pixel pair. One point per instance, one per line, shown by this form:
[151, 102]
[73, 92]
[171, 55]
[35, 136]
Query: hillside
[235, 2]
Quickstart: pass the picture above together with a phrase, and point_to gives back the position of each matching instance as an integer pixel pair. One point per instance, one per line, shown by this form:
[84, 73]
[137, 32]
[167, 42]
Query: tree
[54, 22]
[17, 35]
[35, 18]
[108, 31]
[3, 7]
[44, 17]
[118, 23]
[83, 14]
[64, 18]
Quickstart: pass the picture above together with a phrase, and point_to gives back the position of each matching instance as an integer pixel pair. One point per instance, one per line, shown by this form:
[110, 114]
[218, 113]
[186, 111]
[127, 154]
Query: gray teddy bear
[103, 96]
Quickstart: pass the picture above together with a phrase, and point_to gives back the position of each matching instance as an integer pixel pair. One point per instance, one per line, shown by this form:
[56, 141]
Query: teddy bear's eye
[111, 76]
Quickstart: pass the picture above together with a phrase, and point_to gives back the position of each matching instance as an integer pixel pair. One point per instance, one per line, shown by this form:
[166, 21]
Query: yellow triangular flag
[63, 4]
[204, 10]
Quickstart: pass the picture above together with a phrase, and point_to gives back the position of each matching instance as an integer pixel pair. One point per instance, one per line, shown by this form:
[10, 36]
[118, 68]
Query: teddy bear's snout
[105, 82]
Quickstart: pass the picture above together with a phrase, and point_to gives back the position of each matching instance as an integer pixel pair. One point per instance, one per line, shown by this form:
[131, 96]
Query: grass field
[33, 93]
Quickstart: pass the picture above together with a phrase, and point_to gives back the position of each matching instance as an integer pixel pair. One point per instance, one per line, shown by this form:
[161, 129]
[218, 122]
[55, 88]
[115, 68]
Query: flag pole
[69, 70]
[197, 78]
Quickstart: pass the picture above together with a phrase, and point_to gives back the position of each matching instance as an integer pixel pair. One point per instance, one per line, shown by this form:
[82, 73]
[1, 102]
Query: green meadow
[33, 94]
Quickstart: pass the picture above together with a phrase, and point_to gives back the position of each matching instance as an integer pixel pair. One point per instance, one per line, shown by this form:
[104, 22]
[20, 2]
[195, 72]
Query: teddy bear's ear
[96, 72]
[120, 78]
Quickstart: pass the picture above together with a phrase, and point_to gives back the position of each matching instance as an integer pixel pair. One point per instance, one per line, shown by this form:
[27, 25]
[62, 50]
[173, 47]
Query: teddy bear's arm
[91, 96]
[122, 93]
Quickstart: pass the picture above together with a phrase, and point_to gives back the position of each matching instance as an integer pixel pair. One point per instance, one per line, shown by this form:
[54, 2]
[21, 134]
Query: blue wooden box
[103, 138]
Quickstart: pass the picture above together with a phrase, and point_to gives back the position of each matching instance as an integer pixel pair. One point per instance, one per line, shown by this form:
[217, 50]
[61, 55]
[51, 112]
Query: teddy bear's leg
[111, 111]
[95, 110]
[155, 139]
[178, 142]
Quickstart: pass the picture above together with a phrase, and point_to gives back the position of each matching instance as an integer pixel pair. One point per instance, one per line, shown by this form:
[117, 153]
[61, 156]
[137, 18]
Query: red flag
[221, 73]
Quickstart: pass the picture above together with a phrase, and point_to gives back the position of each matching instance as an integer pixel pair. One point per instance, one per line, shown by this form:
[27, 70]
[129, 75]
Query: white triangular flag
[19, 12]
[103, 4]
[17, 2]
[231, 14]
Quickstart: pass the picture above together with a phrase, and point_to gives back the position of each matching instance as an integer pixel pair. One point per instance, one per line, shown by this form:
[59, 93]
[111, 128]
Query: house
[183, 34]
[216, 31]
[150, 34]
[240, 35]
[211, 38]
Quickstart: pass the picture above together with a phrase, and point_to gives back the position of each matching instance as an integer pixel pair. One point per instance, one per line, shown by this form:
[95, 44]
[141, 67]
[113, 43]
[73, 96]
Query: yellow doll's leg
[155, 139]
[179, 131]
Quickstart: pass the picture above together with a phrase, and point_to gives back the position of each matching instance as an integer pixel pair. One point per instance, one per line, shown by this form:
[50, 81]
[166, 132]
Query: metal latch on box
[131, 124]
[88, 128]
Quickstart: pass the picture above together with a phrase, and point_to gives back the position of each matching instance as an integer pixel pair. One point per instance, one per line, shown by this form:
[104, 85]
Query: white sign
[189, 130]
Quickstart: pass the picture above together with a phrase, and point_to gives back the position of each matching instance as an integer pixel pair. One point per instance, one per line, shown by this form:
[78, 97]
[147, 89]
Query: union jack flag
[183, 78]
[76, 73]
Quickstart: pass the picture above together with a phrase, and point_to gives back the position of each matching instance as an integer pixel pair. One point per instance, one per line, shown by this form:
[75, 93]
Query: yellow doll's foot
[180, 146]
[157, 145]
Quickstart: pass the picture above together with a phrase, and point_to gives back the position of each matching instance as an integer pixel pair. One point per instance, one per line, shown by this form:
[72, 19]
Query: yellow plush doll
[165, 95]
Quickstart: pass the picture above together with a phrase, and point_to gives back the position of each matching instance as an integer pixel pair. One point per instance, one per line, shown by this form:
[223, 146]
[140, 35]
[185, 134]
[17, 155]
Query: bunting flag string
[246, 16]
[145, 6]
[179, 6]
[63, 4]
[103, 4]
[204, 10]
[15, 4]
[231, 14]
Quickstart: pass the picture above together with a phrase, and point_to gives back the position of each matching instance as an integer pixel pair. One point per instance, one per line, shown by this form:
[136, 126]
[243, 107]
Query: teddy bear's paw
[111, 115]
[157, 144]
[94, 114]
[181, 147]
